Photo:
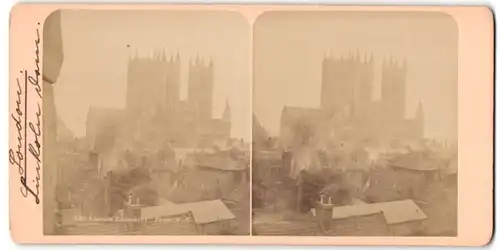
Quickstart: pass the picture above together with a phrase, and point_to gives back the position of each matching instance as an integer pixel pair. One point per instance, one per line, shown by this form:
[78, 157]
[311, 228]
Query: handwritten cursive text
[18, 156]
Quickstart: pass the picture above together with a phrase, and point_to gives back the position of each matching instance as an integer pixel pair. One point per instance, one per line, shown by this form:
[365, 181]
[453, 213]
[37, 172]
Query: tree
[121, 182]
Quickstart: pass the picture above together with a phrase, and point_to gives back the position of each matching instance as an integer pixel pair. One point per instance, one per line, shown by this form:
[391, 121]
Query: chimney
[324, 212]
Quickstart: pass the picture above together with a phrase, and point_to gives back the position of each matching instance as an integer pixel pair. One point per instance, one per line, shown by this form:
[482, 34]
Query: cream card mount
[248, 124]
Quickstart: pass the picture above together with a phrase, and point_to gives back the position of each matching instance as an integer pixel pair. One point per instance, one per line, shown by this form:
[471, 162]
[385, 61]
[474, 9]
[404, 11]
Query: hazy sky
[96, 53]
[289, 48]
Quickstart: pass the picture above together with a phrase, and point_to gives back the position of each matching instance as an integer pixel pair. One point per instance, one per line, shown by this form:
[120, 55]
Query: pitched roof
[418, 161]
[219, 162]
[203, 211]
[394, 212]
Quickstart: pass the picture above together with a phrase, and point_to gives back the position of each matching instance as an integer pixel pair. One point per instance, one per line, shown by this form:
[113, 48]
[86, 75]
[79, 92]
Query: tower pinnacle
[226, 116]
[419, 119]
[420, 112]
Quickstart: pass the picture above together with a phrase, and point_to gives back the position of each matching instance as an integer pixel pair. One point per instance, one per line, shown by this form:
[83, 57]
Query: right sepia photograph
[355, 124]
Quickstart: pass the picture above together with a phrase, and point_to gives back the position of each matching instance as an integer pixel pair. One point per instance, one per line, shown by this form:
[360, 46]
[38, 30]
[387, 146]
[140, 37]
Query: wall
[370, 225]
[219, 228]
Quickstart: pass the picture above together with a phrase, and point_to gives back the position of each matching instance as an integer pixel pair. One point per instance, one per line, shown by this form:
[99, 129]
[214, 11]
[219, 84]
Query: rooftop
[394, 212]
[203, 212]
[417, 161]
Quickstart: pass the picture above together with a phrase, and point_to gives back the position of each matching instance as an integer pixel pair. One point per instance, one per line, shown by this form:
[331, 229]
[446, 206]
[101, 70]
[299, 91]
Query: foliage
[324, 180]
[122, 182]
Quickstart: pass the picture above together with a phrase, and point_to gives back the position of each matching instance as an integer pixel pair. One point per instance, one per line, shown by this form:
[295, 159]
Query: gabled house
[396, 218]
[209, 217]
[406, 176]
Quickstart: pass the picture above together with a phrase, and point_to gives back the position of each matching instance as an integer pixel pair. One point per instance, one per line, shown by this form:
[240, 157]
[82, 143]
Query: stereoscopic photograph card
[236, 124]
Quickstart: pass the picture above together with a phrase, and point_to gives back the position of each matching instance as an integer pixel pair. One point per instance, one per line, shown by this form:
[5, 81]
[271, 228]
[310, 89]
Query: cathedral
[155, 115]
[349, 113]
[153, 97]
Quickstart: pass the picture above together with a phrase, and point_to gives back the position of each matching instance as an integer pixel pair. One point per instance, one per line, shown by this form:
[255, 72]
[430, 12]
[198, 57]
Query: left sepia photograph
[147, 122]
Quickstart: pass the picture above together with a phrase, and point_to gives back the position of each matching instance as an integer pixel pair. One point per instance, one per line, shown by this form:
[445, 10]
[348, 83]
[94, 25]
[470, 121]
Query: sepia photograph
[147, 122]
[280, 124]
[355, 124]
